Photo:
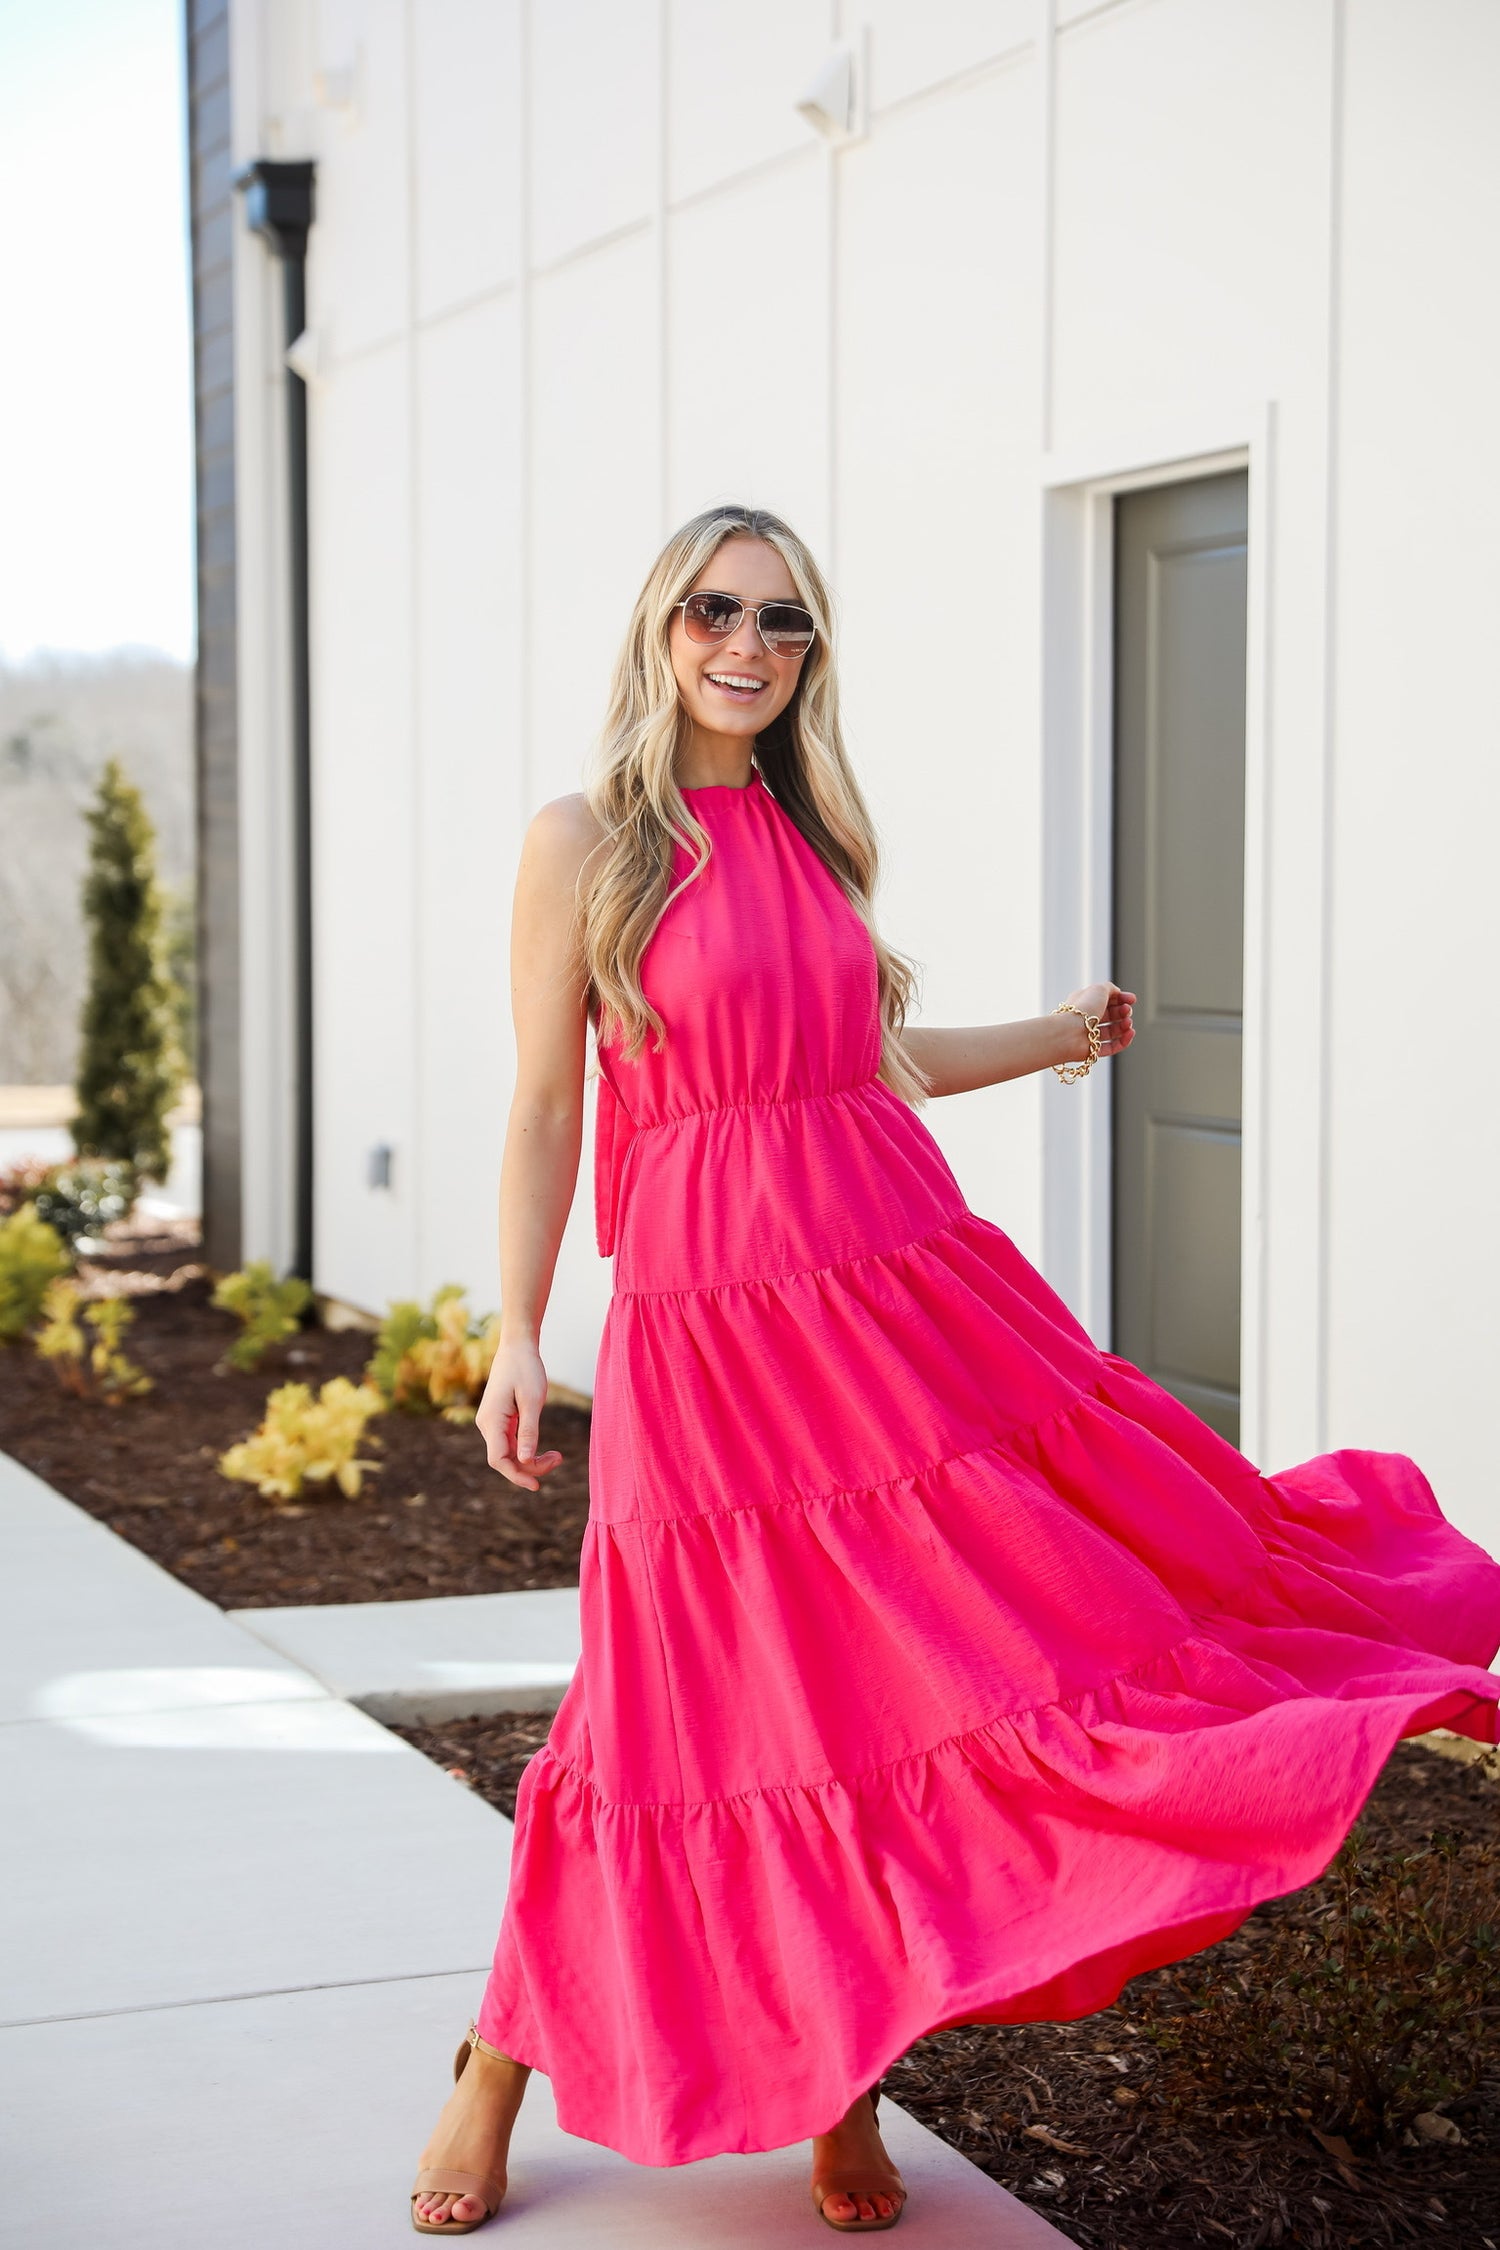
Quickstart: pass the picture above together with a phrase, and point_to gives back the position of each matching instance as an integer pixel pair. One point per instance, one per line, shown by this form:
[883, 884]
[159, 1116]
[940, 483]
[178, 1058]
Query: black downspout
[279, 206]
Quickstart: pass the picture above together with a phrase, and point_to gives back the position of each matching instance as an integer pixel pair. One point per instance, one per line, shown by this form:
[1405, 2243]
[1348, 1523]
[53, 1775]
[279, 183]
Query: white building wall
[936, 552]
[1412, 1220]
[580, 269]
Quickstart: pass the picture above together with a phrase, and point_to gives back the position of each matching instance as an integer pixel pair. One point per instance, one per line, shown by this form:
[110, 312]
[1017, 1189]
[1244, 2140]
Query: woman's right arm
[539, 1170]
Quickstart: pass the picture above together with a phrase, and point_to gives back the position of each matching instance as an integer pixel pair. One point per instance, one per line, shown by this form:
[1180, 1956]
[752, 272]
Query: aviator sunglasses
[786, 628]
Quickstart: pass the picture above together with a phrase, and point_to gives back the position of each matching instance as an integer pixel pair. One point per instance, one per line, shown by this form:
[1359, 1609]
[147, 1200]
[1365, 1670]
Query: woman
[938, 1667]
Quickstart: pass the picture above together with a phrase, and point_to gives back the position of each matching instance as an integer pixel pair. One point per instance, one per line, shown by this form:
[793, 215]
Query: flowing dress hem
[1054, 1983]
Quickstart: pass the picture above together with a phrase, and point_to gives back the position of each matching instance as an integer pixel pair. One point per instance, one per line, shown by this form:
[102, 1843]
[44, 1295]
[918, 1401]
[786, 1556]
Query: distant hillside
[60, 718]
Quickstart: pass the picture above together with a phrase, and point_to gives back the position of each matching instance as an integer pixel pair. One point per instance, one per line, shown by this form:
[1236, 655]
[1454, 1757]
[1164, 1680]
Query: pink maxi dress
[938, 1667]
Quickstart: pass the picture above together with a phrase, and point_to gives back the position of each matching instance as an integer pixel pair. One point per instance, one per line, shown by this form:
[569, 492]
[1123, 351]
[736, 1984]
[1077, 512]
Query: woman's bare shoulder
[561, 836]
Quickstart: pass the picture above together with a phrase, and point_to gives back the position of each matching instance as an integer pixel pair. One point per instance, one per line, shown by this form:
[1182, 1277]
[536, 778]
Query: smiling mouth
[742, 687]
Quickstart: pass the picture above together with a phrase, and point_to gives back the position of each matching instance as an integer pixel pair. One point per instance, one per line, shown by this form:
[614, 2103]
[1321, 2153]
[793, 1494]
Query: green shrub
[434, 1362]
[269, 1310]
[31, 1256]
[129, 1067]
[180, 958]
[305, 1440]
[105, 1374]
[81, 1198]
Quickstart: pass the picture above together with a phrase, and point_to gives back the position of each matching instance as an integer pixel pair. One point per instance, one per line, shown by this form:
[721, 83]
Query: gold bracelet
[1070, 1073]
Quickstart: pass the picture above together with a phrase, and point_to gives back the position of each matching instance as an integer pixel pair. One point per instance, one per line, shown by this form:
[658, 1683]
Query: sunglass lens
[709, 617]
[786, 628]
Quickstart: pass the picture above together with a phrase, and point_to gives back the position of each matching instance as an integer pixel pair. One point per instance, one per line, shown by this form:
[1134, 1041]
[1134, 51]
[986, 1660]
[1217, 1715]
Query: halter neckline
[724, 788]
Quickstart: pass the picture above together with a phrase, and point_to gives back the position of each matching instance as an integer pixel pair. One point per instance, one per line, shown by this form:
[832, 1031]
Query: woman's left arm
[957, 1062]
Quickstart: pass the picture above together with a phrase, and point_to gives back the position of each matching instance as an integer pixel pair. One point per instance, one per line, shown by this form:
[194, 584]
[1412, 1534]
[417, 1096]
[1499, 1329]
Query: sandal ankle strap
[484, 2046]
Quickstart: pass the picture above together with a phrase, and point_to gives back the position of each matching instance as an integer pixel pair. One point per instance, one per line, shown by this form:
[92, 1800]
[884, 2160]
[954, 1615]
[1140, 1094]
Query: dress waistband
[615, 1129]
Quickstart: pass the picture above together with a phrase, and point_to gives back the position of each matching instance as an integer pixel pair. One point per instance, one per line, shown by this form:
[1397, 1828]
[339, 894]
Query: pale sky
[96, 437]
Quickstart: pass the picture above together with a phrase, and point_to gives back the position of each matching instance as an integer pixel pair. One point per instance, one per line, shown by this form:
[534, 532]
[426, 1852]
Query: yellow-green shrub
[31, 1257]
[108, 1376]
[268, 1309]
[307, 1441]
[436, 1361]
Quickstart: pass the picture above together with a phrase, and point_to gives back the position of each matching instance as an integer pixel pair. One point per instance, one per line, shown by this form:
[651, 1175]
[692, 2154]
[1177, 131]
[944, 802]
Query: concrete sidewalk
[244, 1929]
[458, 1657]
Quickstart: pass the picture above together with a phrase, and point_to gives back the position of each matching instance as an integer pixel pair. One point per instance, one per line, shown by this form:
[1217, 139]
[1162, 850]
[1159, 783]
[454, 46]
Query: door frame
[1078, 488]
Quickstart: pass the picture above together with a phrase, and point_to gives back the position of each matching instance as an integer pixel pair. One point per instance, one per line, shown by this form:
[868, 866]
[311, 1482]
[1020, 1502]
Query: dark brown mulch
[436, 1519]
[1147, 2159]
[1187, 2163]
[488, 1754]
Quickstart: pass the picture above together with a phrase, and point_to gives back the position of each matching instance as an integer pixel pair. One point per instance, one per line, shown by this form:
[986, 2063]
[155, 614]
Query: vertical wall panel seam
[663, 282]
[1325, 997]
[1258, 997]
[525, 349]
[1047, 75]
[833, 183]
[416, 1122]
[833, 207]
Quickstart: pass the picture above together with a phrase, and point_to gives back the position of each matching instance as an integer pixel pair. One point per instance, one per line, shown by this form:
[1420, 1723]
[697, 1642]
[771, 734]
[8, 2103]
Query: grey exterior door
[1179, 890]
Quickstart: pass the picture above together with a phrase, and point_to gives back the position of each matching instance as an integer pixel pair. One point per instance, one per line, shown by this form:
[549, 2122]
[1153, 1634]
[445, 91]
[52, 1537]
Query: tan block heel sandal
[443, 2179]
[865, 2182]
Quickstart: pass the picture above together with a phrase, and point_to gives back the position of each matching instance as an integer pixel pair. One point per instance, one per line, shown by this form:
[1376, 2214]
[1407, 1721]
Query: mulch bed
[1120, 2132]
[436, 1519]
[490, 1755]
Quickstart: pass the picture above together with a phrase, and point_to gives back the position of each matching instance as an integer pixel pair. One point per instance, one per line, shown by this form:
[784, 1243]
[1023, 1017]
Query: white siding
[914, 49]
[936, 553]
[359, 253]
[753, 255]
[580, 268]
[1191, 171]
[728, 103]
[594, 121]
[365, 778]
[469, 799]
[1413, 1217]
[466, 172]
[595, 487]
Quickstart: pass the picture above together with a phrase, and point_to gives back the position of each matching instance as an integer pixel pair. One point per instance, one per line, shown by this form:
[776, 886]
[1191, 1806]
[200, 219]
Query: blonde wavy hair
[631, 789]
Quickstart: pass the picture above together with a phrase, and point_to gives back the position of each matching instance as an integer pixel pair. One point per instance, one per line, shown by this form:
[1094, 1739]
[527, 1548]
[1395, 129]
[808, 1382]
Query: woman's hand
[510, 1415]
[1114, 1009]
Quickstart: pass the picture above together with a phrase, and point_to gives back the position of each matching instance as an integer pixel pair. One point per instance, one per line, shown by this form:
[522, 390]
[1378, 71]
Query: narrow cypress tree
[129, 1069]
